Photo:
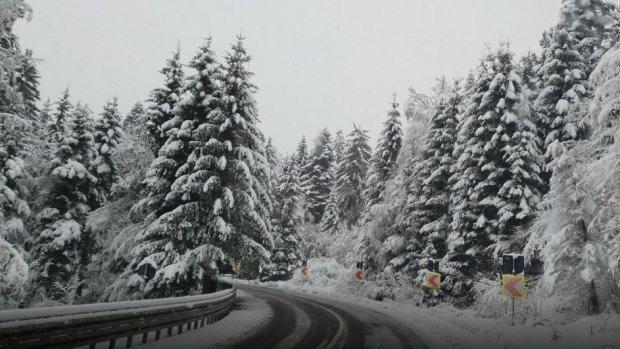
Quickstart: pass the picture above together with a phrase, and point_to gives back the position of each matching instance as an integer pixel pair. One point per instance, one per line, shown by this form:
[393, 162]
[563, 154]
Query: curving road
[304, 321]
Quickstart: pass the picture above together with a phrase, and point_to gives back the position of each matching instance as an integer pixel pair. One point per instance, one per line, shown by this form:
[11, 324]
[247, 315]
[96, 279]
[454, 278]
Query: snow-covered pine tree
[571, 254]
[563, 85]
[351, 175]
[134, 118]
[340, 146]
[28, 87]
[62, 117]
[301, 154]
[522, 189]
[108, 134]
[317, 180]
[162, 101]
[246, 173]
[430, 205]
[183, 242]
[331, 220]
[13, 206]
[593, 24]
[287, 254]
[468, 237]
[45, 117]
[383, 161]
[63, 245]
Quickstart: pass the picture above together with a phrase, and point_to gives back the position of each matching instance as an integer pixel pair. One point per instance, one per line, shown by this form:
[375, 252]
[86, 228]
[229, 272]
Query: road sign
[236, 267]
[432, 280]
[432, 265]
[359, 274]
[513, 286]
[513, 264]
[304, 271]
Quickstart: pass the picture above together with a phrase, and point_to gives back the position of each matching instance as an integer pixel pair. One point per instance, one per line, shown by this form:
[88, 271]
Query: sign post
[513, 279]
[359, 271]
[432, 278]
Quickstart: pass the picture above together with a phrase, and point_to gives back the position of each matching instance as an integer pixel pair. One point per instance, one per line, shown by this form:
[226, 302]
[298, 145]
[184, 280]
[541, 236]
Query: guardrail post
[195, 324]
[145, 336]
[180, 329]
[112, 344]
[129, 341]
[92, 345]
[157, 334]
[169, 331]
[202, 322]
[189, 325]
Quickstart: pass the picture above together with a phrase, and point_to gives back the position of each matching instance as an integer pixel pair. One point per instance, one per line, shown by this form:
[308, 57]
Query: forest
[518, 156]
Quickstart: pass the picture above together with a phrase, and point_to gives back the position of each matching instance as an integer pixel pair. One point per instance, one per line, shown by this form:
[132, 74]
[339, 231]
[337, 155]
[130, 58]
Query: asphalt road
[305, 321]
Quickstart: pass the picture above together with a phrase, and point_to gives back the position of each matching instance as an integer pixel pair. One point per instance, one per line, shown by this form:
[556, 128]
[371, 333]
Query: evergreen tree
[135, 116]
[594, 26]
[431, 202]
[351, 175]
[28, 88]
[287, 255]
[13, 207]
[318, 179]
[330, 222]
[218, 205]
[340, 146]
[507, 172]
[469, 234]
[383, 160]
[183, 241]
[58, 128]
[564, 85]
[301, 155]
[45, 117]
[108, 134]
[162, 102]
[63, 245]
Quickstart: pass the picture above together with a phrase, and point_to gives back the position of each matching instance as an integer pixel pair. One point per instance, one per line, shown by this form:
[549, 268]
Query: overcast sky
[317, 63]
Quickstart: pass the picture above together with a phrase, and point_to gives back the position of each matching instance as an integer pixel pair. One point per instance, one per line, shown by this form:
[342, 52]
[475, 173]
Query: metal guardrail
[87, 325]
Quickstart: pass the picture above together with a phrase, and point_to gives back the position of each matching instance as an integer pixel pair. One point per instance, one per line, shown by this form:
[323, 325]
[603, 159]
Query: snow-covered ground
[445, 326]
[250, 314]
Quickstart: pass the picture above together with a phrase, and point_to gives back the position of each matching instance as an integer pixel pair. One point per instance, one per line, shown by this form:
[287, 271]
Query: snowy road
[307, 321]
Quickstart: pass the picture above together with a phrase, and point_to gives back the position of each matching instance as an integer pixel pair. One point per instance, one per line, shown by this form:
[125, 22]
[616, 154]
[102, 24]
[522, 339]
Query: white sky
[317, 63]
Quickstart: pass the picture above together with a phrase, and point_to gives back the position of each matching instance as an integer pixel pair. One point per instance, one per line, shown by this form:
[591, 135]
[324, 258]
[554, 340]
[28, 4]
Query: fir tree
[13, 206]
[469, 235]
[431, 202]
[351, 175]
[45, 117]
[330, 223]
[63, 245]
[340, 146]
[287, 255]
[564, 85]
[108, 134]
[162, 102]
[594, 26]
[135, 116]
[58, 128]
[28, 87]
[301, 155]
[383, 160]
[318, 179]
